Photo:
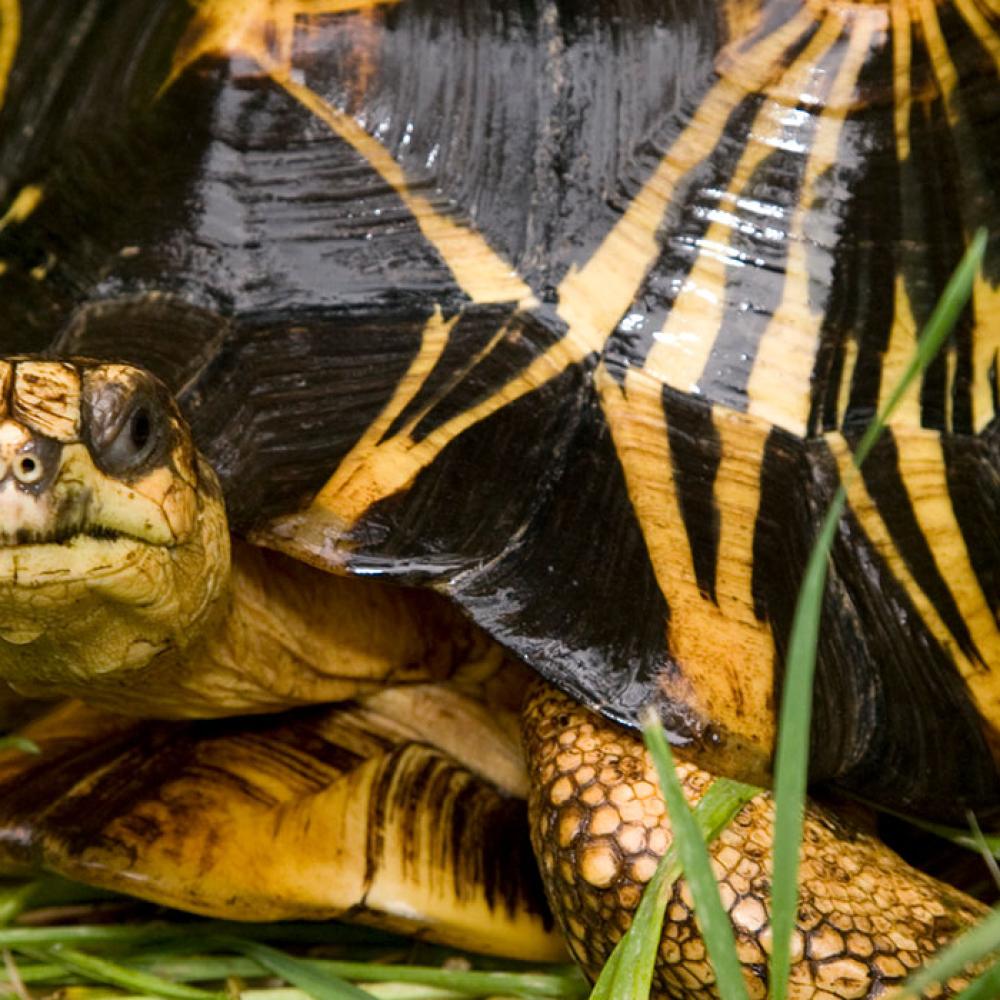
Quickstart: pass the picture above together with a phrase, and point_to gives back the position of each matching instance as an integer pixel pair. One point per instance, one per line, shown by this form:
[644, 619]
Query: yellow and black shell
[573, 311]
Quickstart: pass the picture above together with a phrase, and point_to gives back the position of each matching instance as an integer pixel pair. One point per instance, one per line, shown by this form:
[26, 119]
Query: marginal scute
[308, 815]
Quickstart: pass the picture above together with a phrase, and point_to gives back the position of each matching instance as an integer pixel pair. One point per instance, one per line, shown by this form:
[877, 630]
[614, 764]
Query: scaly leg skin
[599, 827]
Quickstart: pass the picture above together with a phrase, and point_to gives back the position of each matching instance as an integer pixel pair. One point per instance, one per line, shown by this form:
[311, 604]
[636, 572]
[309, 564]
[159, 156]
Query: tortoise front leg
[599, 827]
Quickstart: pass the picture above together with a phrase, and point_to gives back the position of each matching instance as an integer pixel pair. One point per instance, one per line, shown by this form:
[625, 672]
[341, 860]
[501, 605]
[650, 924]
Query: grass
[629, 971]
[163, 959]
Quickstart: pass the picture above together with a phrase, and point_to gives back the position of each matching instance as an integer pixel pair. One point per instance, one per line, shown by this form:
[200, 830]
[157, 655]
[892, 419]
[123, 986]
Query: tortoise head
[114, 550]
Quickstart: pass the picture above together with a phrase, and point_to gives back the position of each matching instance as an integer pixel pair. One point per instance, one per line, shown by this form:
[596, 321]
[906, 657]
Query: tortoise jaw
[45, 587]
[90, 617]
[24, 539]
[30, 518]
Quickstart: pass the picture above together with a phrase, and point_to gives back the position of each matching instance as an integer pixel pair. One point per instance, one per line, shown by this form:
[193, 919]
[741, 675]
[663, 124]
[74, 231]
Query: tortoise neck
[293, 635]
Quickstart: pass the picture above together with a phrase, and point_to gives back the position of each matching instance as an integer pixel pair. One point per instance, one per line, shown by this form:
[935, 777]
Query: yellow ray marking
[724, 653]
[25, 202]
[897, 358]
[850, 348]
[781, 379]
[983, 30]
[950, 363]
[230, 26]
[902, 26]
[682, 347]
[479, 270]
[904, 333]
[741, 18]
[41, 271]
[985, 299]
[985, 345]
[370, 472]
[937, 48]
[225, 27]
[10, 34]
[380, 468]
[593, 298]
[922, 469]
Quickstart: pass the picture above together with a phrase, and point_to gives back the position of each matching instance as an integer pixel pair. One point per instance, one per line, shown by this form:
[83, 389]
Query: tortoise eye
[128, 419]
[140, 428]
[129, 439]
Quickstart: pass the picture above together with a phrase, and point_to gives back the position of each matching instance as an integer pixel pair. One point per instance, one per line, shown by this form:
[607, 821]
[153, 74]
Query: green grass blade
[16, 937]
[953, 834]
[943, 319]
[193, 932]
[104, 971]
[14, 901]
[713, 920]
[791, 757]
[564, 982]
[320, 985]
[380, 991]
[628, 973]
[983, 848]
[566, 985]
[569, 984]
[985, 987]
[21, 743]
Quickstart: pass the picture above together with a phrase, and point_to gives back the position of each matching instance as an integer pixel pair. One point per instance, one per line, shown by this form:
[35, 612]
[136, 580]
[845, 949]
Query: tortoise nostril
[27, 469]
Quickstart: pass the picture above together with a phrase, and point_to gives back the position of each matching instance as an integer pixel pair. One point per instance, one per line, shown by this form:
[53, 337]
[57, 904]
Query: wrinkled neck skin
[292, 635]
[269, 633]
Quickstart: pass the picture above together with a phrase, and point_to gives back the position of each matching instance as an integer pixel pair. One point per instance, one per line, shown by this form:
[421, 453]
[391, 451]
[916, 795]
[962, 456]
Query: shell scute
[576, 321]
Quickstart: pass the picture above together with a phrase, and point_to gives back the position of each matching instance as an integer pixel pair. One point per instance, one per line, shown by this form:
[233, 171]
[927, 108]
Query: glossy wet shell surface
[573, 313]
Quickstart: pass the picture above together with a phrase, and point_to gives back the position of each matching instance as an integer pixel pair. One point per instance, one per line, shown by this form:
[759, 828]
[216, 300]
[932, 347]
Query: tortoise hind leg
[314, 814]
[599, 827]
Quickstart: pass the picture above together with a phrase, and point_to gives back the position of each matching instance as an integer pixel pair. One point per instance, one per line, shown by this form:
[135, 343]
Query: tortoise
[503, 334]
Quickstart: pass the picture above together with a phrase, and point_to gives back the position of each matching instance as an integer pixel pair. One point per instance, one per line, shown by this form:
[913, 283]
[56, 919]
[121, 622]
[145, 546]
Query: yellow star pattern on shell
[263, 30]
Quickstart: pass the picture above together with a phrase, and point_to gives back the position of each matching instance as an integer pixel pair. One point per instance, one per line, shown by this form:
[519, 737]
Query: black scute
[878, 667]
[555, 563]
